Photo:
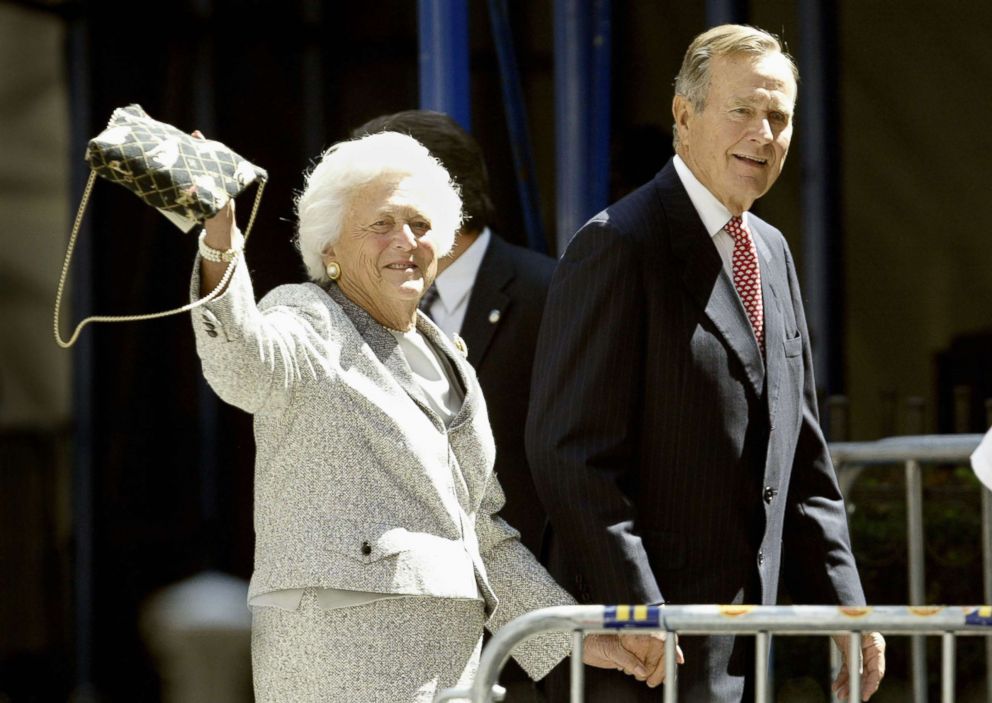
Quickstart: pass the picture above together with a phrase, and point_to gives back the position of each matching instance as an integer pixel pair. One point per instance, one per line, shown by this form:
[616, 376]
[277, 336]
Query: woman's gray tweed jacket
[358, 483]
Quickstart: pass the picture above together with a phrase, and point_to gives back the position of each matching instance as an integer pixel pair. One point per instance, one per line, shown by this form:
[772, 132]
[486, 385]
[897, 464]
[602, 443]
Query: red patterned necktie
[747, 277]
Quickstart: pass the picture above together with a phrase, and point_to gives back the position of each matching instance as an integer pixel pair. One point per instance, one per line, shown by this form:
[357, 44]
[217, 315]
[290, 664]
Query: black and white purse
[188, 180]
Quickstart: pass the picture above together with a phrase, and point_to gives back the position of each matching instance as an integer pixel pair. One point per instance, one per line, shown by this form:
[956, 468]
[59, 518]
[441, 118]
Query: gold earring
[333, 270]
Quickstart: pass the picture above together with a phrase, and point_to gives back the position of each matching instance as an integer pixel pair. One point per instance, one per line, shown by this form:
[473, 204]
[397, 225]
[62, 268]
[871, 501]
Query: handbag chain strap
[218, 289]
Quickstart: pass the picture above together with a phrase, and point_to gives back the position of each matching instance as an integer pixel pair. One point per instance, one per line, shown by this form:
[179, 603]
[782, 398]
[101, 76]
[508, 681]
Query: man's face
[737, 144]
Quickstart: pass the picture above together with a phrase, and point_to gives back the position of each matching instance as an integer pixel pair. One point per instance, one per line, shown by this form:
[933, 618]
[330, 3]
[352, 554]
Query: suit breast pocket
[794, 346]
[366, 542]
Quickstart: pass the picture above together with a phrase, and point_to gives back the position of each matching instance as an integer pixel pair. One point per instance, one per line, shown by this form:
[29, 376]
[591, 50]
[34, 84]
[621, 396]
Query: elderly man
[673, 431]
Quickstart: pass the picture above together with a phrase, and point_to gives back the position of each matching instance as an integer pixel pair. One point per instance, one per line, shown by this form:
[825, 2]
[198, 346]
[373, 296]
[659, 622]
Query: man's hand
[641, 656]
[650, 649]
[606, 652]
[872, 665]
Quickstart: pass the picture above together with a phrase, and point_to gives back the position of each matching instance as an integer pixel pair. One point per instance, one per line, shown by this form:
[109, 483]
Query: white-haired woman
[379, 555]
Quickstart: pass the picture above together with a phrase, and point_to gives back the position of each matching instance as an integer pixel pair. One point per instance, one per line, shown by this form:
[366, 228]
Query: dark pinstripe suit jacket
[512, 283]
[675, 463]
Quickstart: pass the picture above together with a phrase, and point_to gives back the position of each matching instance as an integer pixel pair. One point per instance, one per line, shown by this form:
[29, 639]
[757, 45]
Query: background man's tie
[747, 277]
[428, 300]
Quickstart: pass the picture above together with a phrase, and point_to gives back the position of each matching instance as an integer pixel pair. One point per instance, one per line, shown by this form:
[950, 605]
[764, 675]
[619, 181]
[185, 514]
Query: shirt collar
[456, 281]
[712, 212]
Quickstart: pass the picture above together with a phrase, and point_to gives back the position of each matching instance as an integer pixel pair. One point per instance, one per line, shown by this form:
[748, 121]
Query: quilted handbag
[186, 179]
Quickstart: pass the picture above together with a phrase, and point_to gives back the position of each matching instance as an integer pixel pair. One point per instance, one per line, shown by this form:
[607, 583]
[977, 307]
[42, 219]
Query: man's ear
[682, 113]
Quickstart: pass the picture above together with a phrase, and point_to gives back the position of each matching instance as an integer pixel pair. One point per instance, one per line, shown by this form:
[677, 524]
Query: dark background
[279, 82]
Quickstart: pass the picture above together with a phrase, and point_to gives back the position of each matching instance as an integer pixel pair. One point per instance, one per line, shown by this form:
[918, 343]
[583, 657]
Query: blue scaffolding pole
[725, 12]
[443, 58]
[582, 111]
[822, 225]
[516, 124]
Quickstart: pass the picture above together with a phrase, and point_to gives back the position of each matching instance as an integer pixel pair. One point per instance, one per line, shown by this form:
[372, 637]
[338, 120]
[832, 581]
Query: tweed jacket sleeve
[520, 583]
[252, 355]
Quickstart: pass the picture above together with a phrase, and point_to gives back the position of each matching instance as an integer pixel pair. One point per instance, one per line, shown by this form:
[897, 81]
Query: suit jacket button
[366, 548]
[769, 494]
[212, 333]
[761, 557]
[494, 316]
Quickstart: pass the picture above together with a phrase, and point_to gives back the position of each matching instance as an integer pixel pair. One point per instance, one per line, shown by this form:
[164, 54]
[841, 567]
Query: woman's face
[386, 251]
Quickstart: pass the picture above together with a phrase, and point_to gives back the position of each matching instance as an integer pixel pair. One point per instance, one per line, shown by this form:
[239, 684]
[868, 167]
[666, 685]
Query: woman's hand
[220, 234]
[220, 228]
[641, 656]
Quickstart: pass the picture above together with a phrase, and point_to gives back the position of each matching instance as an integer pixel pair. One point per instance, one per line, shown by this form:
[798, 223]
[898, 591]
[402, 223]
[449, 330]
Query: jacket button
[366, 548]
[211, 333]
[761, 557]
[769, 494]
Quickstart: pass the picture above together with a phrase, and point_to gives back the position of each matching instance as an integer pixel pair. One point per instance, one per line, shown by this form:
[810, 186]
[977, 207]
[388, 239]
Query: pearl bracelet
[222, 257]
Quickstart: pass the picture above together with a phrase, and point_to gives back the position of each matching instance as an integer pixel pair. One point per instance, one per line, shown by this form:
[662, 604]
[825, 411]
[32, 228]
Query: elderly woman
[379, 553]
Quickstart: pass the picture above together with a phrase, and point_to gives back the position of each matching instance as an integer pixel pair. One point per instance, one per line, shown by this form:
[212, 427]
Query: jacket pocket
[666, 550]
[366, 542]
[794, 346]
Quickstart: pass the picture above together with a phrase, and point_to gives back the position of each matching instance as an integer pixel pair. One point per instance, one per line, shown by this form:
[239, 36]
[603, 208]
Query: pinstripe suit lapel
[771, 295]
[705, 278]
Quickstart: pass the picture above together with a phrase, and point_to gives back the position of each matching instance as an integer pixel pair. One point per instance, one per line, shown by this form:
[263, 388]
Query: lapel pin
[494, 316]
[460, 344]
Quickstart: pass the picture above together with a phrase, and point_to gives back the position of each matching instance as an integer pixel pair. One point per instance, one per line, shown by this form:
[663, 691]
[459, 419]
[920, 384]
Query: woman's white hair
[350, 165]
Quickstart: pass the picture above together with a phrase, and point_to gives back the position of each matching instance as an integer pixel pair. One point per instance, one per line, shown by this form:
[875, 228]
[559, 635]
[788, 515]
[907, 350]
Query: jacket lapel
[771, 297]
[456, 360]
[488, 302]
[384, 345]
[705, 278]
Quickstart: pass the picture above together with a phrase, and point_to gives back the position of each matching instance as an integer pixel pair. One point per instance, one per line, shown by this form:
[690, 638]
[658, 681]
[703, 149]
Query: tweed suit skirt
[388, 651]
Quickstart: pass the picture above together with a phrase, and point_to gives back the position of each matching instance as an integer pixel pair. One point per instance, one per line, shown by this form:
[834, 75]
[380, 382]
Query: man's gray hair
[345, 168]
[693, 80]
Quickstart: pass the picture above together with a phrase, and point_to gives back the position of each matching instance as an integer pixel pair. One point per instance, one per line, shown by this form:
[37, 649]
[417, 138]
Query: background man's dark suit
[674, 464]
[500, 329]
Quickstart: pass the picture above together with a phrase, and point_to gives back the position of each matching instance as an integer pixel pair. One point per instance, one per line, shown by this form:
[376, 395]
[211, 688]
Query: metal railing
[758, 621]
[850, 458]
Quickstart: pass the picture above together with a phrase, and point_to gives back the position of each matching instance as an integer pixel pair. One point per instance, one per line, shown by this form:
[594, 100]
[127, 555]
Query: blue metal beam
[582, 103]
[516, 123]
[444, 58]
[726, 12]
[600, 106]
[821, 208]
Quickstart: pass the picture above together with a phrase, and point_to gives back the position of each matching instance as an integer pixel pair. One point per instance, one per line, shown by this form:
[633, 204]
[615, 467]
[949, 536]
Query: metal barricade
[914, 452]
[758, 621]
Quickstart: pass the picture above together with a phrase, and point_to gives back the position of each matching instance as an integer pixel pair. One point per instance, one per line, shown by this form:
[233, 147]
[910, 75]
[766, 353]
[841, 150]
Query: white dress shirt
[712, 212]
[454, 286]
